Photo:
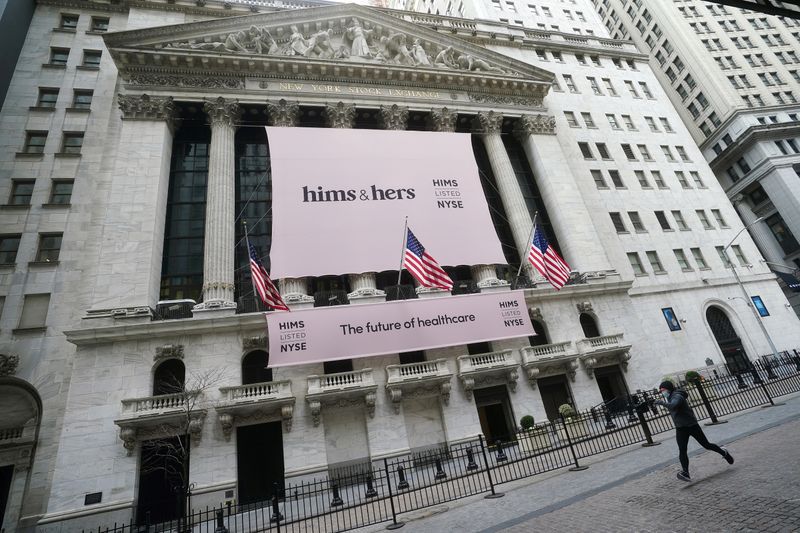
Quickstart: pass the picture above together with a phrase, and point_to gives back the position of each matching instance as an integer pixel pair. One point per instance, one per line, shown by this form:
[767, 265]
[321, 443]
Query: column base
[424, 292]
[215, 307]
[366, 296]
[494, 285]
[297, 301]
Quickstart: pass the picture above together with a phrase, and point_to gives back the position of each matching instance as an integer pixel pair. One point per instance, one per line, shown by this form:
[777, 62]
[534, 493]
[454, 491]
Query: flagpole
[530, 238]
[256, 296]
[402, 254]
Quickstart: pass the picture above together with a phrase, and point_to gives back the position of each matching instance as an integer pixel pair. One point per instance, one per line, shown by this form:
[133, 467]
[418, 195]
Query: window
[682, 179]
[91, 58]
[632, 89]
[68, 22]
[628, 151]
[49, 247]
[581, 59]
[679, 221]
[668, 153]
[782, 234]
[645, 152]
[72, 143]
[697, 253]
[701, 214]
[619, 225]
[717, 214]
[641, 177]
[603, 151]
[586, 150]
[99, 24]
[588, 120]
[658, 179]
[570, 83]
[9, 244]
[541, 54]
[595, 87]
[629, 122]
[597, 176]
[21, 192]
[61, 192]
[571, 120]
[683, 155]
[616, 179]
[655, 262]
[697, 180]
[662, 221]
[636, 222]
[651, 123]
[59, 56]
[645, 90]
[34, 311]
[724, 257]
[47, 98]
[610, 87]
[737, 251]
[557, 56]
[683, 262]
[612, 121]
[82, 98]
[636, 264]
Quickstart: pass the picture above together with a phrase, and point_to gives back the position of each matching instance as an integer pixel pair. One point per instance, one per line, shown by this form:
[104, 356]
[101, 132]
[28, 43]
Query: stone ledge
[16, 331]
[56, 206]
[68, 155]
[87, 67]
[29, 155]
[78, 110]
[15, 206]
[42, 263]
[44, 109]
[54, 65]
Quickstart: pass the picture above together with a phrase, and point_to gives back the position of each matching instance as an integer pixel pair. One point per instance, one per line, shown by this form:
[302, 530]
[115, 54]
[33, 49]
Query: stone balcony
[490, 368]
[343, 388]
[153, 416]
[427, 378]
[17, 436]
[603, 351]
[255, 401]
[550, 359]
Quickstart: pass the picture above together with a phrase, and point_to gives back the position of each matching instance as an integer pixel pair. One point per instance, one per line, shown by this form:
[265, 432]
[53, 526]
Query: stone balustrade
[549, 359]
[426, 378]
[154, 404]
[357, 386]
[265, 401]
[499, 367]
[254, 392]
[604, 351]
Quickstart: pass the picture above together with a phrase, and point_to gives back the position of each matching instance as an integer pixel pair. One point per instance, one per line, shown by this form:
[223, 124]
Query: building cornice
[740, 112]
[750, 136]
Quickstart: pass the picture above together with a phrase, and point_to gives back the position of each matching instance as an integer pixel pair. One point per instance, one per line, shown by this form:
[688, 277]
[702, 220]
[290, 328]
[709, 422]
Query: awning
[790, 280]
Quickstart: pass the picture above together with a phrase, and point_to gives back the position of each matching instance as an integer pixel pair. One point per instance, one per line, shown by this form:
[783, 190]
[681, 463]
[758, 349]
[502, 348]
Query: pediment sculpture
[357, 42]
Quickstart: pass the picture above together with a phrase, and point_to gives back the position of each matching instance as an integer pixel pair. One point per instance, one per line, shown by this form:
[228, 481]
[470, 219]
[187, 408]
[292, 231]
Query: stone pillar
[293, 290]
[782, 185]
[128, 278]
[760, 233]
[581, 246]
[220, 201]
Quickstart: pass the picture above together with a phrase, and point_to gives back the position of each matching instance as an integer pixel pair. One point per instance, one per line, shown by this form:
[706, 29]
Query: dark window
[619, 225]
[169, 377]
[61, 192]
[59, 56]
[49, 247]
[68, 22]
[82, 98]
[540, 338]
[72, 143]
[47, 98]
[336, 367]
[589, 326]
[34, 142]
[21, 192]
[478, 348]
[254, 368]
[782, 234]
[758, 195]
[91, 58]
[412, 357]
[99, 24]
[9, 244]
[662, 220]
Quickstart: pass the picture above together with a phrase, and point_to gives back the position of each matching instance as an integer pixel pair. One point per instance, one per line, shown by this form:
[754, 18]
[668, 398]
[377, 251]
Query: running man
[686, 426]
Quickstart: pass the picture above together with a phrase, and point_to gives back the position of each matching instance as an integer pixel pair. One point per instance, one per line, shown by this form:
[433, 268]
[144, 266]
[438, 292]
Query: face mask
[665, 394]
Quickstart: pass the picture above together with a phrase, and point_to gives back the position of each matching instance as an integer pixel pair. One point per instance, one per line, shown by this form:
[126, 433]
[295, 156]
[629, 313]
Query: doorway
[6, 475]
[495, 414]
[163, 472]
[729, 342]
[555, 392]
[612, 387]
[259, 459]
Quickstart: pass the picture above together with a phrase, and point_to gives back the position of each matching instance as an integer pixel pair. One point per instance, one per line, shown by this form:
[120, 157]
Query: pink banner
[340, 197]
[351, 331]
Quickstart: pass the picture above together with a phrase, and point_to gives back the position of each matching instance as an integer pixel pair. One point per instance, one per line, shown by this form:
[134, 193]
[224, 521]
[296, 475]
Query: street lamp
[747, 298]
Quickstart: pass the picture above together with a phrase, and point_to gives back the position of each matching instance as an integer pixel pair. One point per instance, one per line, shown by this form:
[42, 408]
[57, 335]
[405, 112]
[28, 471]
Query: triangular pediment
[331, 42]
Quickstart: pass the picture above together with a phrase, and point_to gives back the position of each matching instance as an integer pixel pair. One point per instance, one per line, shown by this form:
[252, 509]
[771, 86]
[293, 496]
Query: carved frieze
[199, 82]
[168, 351]
[518, 101]
[146, 107]
[8, 364]
[536, 125]
[254, 343]
[283, 113]
[394, 117]
[535, 313]
[584, 307]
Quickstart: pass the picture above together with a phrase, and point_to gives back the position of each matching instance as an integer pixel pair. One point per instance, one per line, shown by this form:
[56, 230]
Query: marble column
[128, 279]
[782, 185]
[761, 234]
[218, 253]
[294, 291]
[581, 245]
[444, 120]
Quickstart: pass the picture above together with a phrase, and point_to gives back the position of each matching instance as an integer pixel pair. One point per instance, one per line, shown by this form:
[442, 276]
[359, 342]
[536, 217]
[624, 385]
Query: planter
[694, 395]
[532, 440]
[577, 428]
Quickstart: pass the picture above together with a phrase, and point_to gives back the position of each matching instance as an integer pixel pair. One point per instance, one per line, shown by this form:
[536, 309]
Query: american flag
[424, 267]
[266, 289]
[547, 261]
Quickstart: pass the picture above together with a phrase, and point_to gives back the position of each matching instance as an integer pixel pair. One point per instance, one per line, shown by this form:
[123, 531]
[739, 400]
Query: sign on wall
[352, 331]
[340, 198]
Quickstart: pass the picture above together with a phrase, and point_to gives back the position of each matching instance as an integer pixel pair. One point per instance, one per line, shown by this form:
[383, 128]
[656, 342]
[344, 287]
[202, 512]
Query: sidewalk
[528, 499]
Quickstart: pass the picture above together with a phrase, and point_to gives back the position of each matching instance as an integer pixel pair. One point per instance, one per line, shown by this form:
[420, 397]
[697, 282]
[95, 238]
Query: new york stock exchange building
[141, 140]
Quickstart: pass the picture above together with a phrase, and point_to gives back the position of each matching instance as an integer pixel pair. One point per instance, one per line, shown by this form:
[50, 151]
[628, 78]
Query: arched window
[728, 340]
[169, 377]
[589, 326]
[541, 334]
[254, 368]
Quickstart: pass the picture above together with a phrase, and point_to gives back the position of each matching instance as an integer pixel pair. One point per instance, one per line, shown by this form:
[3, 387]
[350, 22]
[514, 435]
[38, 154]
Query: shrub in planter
[576, 425]
[526, 422]
[532, 438]
[692, 376]
[566, 410]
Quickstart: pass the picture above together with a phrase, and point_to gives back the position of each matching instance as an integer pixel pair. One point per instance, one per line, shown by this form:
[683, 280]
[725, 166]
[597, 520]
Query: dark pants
[682, 436]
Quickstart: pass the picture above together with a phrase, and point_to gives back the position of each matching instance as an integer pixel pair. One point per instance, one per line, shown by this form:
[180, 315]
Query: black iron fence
[383, 490]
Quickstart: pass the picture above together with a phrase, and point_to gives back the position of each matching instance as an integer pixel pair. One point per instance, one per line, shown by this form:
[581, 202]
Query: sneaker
[684, 476]
[728, 457]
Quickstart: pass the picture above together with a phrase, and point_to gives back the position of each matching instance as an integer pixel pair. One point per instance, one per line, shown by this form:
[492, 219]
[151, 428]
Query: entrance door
[259, 457]
[494, 413]
[6, 474]
[161, 480]
[612, 387]
[729, 342]
[555, 392]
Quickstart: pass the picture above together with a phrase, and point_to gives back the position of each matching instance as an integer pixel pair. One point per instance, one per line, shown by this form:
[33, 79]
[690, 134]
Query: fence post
[494, 494]
[395, 524]
[401, 475]
[371, 492]
[631, 416]
[766, 391]
[501, 454]
[336, 501]
[440, 474]
[703, 396]
[471, 465]
[577, 467]
[276, 512]
[768, 368]
[648, 436]
[220, 522]
[609, 423]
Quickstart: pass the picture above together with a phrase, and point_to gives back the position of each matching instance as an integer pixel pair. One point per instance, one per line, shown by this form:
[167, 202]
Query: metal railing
[372, 492]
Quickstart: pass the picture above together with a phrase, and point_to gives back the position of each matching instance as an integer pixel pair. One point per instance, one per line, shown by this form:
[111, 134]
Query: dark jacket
[682, 414]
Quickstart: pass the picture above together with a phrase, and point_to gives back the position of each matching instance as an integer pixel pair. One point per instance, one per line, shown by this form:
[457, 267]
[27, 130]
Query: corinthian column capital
[535, 125]
[443, 119]
[146, 107]
[394, 117]
[489, 122]
[340, 115]
[283, 113]
[222, 112]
